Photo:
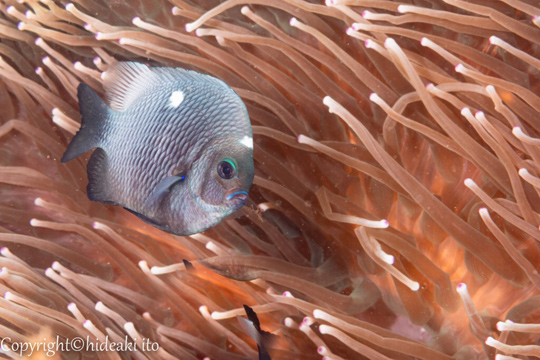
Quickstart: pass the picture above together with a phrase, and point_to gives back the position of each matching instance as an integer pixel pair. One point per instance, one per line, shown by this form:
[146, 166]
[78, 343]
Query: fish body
[173, 146]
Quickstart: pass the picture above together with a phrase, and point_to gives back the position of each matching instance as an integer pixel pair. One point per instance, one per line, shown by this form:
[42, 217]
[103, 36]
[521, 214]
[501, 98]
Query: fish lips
[239, 197]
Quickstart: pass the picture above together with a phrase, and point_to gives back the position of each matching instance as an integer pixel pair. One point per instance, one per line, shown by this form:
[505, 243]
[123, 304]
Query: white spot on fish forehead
[176, 98]
[247, 141]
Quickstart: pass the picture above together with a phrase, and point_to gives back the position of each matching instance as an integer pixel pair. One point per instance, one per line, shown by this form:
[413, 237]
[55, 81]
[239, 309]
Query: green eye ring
[226, 169]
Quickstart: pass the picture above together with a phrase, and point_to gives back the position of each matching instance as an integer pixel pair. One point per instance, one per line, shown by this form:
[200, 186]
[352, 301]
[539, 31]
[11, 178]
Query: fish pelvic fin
[94, 115]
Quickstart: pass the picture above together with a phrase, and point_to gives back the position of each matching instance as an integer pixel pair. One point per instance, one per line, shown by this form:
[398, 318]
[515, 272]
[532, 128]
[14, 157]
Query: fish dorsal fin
[124, 82]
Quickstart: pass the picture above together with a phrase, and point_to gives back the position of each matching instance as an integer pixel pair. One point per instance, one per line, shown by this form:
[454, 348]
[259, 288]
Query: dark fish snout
[238, 195]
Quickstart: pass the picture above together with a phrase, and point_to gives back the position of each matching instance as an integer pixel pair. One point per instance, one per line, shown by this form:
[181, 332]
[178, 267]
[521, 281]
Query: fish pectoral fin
[144, 218]
[162, 188]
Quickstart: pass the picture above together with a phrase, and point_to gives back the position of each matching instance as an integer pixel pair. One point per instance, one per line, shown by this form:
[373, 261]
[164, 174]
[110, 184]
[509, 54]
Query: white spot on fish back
[176, 98]
[247, 141]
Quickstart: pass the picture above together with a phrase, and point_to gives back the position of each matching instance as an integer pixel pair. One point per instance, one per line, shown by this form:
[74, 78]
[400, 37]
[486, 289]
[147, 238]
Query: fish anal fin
[94, 114]
[145, 218]
[98, 185]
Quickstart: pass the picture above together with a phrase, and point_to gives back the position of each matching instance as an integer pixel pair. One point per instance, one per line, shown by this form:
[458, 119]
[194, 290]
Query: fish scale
[161, 145]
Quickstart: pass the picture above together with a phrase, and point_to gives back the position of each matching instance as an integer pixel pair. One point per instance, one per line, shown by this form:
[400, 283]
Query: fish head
[216, 185]
[223, 173]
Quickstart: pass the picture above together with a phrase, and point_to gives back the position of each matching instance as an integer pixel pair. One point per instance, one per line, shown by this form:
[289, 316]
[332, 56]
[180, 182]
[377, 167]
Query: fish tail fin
[252, 327]
[94, 114]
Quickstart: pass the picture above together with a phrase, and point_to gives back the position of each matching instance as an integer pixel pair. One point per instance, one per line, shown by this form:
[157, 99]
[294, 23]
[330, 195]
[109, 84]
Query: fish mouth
[238, 195]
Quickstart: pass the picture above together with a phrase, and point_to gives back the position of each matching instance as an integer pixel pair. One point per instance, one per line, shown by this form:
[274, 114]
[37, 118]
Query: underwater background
[395, 208]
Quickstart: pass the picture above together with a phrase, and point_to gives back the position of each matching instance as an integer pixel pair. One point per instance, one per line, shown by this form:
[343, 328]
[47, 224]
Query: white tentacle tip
[190, 27]
[129, 327]
[288, 322]
[88, 324]
[494, 40]
[369, 44]
[366, 14]
[402, 9]
[483, 211]
[501, 326]
[324, 329]
[50, 273]
[389, 42]
[143, 265]
[327, 100]
[466, 112]
[39, 201]
[461, 288]
[100, 306]
[468, 183]
[426, 42]
[387, 258]
[308, 321]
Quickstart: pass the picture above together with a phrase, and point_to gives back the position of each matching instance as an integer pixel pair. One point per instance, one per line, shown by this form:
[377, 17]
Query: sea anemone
[394, 212]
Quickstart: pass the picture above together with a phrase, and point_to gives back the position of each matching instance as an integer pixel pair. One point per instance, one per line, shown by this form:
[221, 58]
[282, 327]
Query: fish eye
[226, 169]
